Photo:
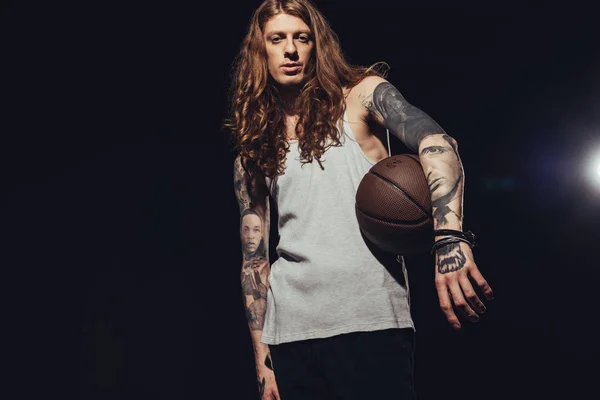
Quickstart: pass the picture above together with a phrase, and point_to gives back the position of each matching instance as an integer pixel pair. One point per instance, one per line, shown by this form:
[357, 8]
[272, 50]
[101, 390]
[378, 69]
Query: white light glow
[593, 172]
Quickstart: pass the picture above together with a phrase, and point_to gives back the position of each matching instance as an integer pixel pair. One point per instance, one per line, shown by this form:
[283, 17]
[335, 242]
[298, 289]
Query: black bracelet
[446, 241]
[468, 235]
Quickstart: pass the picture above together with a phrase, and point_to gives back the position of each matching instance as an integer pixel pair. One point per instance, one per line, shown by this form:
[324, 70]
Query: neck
[288, 95]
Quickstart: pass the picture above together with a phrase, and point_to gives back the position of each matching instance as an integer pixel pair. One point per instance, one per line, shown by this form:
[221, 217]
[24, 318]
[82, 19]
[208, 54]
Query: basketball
[393, 206]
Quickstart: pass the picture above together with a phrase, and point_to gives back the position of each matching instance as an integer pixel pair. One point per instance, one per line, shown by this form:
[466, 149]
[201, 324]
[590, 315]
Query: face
[441, 184]
[251, 232]
[289, 45]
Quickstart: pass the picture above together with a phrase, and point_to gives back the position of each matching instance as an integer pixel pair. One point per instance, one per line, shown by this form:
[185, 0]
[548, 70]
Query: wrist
[263, 365]
[447, 231]
[445, 237]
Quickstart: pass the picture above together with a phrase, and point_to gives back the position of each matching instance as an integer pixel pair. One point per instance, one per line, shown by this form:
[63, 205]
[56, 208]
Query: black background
[121, 244]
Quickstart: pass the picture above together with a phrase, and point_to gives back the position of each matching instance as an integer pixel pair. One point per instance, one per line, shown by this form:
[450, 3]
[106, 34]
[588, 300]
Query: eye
[304, 38]
[275, 39]
[434, 150]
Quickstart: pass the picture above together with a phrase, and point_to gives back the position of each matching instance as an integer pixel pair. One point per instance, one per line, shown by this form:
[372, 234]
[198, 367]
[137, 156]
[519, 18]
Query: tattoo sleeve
[438, 154]
[441, 162]
[252, 196]
[407, 122]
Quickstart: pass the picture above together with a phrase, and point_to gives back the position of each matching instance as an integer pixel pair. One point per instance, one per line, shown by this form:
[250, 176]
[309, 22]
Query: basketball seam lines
[413, 158]
[396, 221]
[400, 189]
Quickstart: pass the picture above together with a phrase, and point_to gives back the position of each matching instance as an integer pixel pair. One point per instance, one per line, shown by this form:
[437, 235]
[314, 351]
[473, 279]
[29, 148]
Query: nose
[290, 50]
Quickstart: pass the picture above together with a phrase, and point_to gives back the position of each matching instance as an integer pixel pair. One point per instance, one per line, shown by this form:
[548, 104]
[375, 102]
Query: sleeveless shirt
[326, 281]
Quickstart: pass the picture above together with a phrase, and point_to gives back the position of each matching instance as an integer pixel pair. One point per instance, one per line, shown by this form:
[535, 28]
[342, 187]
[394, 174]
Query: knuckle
[440, 281]
[461, 304]
[471, 295]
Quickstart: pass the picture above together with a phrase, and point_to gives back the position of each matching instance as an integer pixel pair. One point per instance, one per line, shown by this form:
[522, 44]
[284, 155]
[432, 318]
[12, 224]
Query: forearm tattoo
[444, 177]
[404, 120]
[444, 173]
[254, 228]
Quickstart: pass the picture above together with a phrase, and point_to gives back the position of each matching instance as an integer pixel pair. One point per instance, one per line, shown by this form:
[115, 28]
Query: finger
[460, 303]
[470, 294]
[446, 304]
[274, 396]
[482, 283]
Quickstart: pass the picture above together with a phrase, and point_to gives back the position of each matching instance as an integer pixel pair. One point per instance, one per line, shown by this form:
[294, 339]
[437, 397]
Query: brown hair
[256, 119]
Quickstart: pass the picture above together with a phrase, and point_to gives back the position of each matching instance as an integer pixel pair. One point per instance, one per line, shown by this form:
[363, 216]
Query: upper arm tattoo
[404, 120]
[254, 234]
[240, 185]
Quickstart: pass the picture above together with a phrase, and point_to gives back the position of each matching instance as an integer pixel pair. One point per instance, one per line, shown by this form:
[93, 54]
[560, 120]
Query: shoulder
[369, 83]
[359, 98]
[366, 87]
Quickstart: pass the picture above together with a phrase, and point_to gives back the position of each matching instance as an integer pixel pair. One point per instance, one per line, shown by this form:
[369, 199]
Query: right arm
[252, 194]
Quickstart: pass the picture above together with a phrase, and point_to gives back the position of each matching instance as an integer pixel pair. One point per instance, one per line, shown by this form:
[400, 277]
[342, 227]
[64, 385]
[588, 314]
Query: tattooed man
[329, 318]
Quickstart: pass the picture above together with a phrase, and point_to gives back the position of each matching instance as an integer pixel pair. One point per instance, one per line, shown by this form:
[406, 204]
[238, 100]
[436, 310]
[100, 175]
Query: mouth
[291, 67]
[436, 184]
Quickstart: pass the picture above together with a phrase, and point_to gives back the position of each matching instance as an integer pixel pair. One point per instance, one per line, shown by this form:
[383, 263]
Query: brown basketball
[393, 206]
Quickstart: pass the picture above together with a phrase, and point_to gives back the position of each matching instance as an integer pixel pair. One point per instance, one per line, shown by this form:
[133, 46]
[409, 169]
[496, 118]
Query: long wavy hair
[256, 120]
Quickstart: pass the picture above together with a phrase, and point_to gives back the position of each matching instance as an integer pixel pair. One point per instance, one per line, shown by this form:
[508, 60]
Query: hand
[267, 387]
[454, 266]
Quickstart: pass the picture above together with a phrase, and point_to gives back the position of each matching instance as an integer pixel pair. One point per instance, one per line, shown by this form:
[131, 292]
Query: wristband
[455, 237]
[468, 235]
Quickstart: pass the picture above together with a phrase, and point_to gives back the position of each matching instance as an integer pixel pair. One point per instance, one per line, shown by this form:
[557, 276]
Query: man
[251, 231]
[334, 322]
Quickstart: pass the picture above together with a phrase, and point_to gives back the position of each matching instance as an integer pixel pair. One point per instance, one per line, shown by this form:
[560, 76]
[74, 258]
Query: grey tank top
[326, 281]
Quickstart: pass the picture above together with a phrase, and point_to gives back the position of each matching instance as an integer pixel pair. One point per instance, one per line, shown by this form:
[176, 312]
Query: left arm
[438, 155]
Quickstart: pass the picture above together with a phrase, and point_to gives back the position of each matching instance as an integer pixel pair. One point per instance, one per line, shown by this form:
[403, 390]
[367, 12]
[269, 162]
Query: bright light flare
[593, 170]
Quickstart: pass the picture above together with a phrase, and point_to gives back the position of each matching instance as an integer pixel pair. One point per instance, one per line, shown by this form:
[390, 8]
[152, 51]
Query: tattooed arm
[253, 200]
[438, 154]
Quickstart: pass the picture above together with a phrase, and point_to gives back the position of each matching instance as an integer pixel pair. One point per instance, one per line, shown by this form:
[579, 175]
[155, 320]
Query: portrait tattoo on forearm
[450, 258]
[444, 177]
[405, 121]
[255, 268]
[254, 223]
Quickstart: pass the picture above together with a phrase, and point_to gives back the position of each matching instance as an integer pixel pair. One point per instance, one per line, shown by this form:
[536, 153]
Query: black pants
[358, 365]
